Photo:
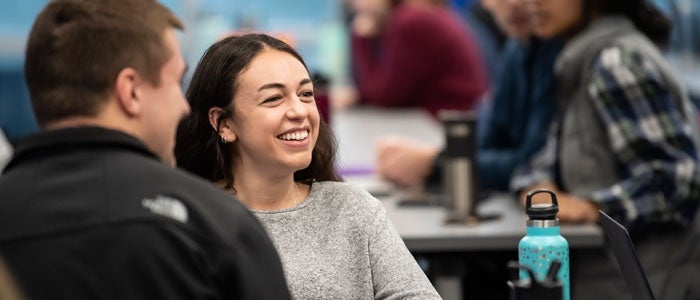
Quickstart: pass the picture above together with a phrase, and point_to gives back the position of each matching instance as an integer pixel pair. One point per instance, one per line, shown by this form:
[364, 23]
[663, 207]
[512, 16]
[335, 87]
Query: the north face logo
[166, 206]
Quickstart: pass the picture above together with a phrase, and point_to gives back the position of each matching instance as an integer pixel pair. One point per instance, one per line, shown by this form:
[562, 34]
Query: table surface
[422, 227]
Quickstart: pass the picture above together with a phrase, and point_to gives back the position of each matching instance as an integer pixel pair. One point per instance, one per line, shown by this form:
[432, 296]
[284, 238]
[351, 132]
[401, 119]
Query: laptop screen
[627, 259]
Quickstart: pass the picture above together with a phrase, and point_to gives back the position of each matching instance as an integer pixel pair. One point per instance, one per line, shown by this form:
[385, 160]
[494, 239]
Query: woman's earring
[223, 140]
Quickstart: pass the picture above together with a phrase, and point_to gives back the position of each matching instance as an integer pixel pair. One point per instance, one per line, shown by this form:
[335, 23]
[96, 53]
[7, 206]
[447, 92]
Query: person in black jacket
[91, 207]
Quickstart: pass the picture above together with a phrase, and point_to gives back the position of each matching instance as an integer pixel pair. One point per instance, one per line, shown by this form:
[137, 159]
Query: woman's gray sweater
[339, 244]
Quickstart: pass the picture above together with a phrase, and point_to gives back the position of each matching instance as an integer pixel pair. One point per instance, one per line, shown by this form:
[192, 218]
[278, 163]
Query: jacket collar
[47, 142]
[603, 29]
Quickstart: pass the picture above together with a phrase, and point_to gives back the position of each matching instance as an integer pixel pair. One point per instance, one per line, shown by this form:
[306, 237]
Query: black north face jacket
[90, 213]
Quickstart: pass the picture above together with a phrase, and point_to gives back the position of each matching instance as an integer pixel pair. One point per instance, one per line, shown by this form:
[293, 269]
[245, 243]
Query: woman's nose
[297, 109]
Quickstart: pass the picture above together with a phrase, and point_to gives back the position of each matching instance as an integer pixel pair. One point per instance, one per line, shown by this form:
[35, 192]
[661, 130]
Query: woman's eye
[272, 99]
[307, 94]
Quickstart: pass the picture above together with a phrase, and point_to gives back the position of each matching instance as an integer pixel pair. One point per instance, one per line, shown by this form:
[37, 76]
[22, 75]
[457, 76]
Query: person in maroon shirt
[415, 53]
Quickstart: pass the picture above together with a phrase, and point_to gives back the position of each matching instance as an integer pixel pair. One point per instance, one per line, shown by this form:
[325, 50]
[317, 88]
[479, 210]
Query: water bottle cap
[541, 211]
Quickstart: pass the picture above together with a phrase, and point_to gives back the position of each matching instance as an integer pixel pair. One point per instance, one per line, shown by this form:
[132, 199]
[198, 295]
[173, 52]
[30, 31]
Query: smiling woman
[272, 109]
[256, 132]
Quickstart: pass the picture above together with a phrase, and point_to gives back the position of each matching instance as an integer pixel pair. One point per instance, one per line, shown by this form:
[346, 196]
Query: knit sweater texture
[339, 244]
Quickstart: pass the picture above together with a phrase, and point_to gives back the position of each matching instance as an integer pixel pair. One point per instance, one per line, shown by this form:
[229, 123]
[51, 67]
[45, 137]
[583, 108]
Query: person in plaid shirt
[624, 140]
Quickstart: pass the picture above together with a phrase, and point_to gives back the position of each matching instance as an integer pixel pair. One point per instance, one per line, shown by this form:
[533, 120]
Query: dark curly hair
[214, 84]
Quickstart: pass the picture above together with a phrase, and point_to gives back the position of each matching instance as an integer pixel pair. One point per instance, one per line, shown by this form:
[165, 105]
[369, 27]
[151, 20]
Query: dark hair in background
[214, 84]
[645, 16]
[77, 48]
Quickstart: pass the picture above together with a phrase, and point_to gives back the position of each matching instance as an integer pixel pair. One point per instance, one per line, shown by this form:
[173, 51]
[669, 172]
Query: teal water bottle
[543, 243]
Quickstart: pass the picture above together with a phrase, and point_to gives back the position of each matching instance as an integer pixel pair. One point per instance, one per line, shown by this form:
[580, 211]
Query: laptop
[627, 259]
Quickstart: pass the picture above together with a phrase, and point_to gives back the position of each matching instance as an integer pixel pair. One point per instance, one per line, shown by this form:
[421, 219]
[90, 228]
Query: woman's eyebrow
[274, 85]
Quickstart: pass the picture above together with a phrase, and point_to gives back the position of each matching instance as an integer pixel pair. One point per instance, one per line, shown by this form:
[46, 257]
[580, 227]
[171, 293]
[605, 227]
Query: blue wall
[16, 16]
[314, 25]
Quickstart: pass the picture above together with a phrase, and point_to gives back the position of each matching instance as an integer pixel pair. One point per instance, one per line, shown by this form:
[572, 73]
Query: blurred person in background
[683, 48]
[624, 141]
[414, 53]
[685, 33]
[255, 131]
[489, 36]
[91, 205]
[514, 124]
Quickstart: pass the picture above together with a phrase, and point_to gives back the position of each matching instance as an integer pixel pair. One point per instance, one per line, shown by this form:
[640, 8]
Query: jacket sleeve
[497, 164]
[523, 108]
[540, 168]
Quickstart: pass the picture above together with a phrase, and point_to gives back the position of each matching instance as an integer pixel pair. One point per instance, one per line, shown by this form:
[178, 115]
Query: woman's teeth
[295, 136]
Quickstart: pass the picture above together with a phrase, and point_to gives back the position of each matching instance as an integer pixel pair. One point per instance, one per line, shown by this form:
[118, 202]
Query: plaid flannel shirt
[659, 178]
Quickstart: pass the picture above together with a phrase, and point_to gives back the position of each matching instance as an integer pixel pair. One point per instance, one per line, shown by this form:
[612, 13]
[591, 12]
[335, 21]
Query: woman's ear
[222, 124]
